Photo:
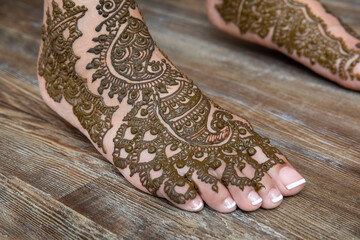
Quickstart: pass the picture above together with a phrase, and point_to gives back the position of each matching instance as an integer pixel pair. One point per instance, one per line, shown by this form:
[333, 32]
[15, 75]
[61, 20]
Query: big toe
[285, 177]
[288, 180]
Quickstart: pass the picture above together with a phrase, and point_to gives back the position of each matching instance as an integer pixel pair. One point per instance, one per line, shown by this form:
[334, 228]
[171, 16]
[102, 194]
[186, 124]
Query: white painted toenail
[275, 195]
[197, 204]
[277, 199]
[295, 184]
[254, 198]
[229, 203]
[289, 176]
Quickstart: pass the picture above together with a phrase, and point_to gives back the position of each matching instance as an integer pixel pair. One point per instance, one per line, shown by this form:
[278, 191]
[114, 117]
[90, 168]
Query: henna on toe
[171, 136]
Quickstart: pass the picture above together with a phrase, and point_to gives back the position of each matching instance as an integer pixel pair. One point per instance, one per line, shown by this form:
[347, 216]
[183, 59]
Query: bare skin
[311, 35]
[100, 70]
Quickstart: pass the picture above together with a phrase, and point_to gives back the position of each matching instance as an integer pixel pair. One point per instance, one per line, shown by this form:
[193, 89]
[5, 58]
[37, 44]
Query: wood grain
[28, 212]
[54, 184]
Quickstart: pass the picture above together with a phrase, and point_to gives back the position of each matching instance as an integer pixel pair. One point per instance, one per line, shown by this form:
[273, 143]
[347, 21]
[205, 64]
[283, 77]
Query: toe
[192, 205]
[247, 199]
[286, 178]
[270, 193]
[195, 204]
[219, 200]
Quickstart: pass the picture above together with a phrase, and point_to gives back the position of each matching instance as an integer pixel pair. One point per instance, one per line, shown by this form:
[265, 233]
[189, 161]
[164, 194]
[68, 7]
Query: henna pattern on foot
[170, 118]
[57, 66]
[293, 26]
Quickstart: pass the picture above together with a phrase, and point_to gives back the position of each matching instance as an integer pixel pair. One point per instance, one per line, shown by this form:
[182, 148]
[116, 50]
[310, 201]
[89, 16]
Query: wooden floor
[55, 185]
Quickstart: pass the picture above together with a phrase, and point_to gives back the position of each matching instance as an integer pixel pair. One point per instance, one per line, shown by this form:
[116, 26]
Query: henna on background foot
[292, 25]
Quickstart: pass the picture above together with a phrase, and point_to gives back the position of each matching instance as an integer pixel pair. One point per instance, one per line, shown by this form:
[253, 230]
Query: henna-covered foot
[301, 29]
[100, 69]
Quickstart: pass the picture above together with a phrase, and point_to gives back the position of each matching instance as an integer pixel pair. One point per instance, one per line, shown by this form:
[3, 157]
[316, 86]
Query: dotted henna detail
[297, 29]
[57, 66]
[171, 120]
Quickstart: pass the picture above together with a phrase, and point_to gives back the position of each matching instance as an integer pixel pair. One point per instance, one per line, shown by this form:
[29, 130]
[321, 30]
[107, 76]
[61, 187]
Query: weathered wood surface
[54, 184]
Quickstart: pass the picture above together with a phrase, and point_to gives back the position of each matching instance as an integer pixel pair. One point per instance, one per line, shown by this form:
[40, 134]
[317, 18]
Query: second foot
[100, 70]
[301, 29]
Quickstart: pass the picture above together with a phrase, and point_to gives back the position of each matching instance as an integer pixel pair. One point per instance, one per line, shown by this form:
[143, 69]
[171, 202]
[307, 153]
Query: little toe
[193, 204]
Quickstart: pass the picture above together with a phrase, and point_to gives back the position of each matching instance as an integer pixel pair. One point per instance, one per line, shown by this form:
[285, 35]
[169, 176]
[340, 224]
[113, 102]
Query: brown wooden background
[54, 184]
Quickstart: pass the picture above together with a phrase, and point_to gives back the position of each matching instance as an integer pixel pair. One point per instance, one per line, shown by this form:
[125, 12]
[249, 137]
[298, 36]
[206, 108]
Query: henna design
[57, 66]
[294, 27]
[187, 130]
[171, 120]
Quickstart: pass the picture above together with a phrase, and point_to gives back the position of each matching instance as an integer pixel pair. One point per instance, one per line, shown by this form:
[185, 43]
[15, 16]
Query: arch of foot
[180, 131]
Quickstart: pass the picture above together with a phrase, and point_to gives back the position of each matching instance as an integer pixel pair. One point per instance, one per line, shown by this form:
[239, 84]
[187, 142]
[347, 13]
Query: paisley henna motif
[294, 26]
[57, 66]
[171, 120]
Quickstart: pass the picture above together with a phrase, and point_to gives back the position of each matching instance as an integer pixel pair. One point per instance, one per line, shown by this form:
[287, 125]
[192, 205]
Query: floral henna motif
[294, 27]
[171, 120]
[57, 66]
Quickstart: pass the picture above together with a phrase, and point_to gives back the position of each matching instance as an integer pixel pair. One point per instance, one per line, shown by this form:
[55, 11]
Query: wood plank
[20, 31]
[26, 211]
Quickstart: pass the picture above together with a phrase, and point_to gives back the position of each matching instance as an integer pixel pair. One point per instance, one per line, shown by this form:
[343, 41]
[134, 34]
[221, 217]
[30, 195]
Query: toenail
[197, 204]
[291, 178]
[229, 203]
[275, 195]
[295, 184]
[254, 198]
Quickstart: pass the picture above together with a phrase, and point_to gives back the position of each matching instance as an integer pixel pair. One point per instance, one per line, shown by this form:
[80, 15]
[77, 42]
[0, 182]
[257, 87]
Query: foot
[100, 70]
[301, 29]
